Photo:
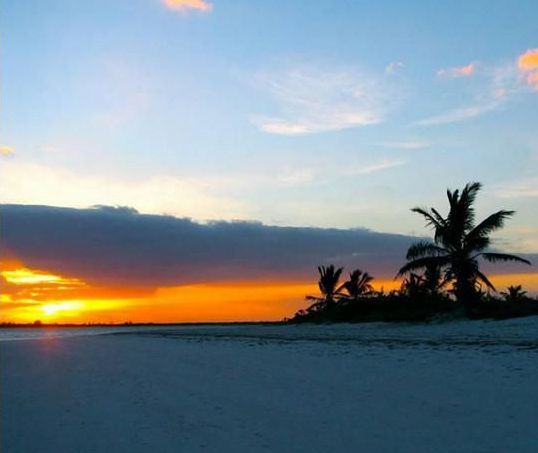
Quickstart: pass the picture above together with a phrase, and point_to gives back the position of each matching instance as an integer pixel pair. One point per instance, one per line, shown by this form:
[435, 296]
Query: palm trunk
[466, 295]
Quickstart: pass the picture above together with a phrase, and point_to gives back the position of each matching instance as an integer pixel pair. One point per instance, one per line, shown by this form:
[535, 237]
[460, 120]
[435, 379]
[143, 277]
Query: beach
[450, 387]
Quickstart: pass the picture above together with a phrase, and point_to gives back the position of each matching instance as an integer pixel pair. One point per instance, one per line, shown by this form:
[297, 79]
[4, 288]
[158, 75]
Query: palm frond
[421, 263]
[422, 249]
[485, 280]
[491, 223]
[430, 219]
[503, 257]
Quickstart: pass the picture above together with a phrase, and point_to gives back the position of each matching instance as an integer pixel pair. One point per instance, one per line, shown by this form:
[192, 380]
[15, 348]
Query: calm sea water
[36, 333]
[520, 333]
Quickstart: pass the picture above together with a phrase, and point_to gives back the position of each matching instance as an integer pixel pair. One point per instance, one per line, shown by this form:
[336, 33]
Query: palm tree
[413, 286]
[459, 243]
[329, 278]
[514, 294]
[427, 284]
[432, 279]
[359, 284]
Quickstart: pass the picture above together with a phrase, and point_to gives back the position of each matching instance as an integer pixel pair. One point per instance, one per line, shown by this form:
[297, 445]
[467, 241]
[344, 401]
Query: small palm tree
[433, 280]
[329, 277]
[428, 284]
[459, 243]
[413, 286]
[359, 284]
[514, 294]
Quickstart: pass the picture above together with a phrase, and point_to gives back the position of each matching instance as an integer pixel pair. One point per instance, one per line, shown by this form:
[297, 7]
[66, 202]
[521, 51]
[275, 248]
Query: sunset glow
[30, 295]
[67, 306]
[24, 276]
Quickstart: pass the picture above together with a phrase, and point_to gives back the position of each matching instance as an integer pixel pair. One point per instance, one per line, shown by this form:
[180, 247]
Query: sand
[380, 388]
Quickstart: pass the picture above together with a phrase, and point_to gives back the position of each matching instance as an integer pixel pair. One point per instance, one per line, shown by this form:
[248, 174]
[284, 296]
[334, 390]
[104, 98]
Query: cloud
[122, 247]
[528, 65]
[329, 171]
[311, 100]
[500, 85]
[291, 177]
[524, 188]
[184, 5]
[532, 80]
[375, 167]
[408, 144]
[459, 71]
[119, 247]
[528, 61]
[6, 150]
[327, 121]
[393, 67]
[460, 114]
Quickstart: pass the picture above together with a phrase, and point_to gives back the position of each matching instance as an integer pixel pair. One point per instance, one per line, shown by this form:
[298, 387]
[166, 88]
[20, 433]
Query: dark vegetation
[442, 277]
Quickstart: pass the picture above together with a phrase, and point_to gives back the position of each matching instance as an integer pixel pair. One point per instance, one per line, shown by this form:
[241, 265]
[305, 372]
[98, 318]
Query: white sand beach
[456, 387]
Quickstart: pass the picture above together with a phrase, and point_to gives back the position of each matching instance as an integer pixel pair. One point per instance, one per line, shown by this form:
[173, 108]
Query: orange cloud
[528, 64]
[183, 5]
[6, 150]
[459, 71]
[529, 60]
[532, 80]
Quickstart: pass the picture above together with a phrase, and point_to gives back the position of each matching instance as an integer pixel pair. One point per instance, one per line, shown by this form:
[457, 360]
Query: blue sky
[325, 113]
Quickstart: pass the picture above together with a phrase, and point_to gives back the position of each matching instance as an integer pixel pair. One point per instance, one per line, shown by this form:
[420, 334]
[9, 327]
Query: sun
[70, 307]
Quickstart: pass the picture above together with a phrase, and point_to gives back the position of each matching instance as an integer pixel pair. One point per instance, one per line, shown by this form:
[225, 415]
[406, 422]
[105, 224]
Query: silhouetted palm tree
[413, 286]
[459, 243]
[428, 284]
[359, 284]
[433, 280]
[329, 278]
[514, 294]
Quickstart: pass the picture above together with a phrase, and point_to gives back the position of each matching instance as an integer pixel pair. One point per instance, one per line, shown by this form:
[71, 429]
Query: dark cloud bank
[118, 246]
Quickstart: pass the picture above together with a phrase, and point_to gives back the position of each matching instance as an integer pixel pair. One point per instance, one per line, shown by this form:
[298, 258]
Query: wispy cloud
[6, 150]
[460, 114]
[528, 65]
[374, 167]
[311, 100]
[325, 172]
[524, 188]
[498, 85]
[458, 71]
[502, 82]
[532, 80]
[184, 5]
[408, 144]
[292, 177]
[393, 67]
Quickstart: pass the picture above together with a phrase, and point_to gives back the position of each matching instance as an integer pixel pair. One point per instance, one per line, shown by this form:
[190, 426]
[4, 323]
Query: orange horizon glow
[30, 295]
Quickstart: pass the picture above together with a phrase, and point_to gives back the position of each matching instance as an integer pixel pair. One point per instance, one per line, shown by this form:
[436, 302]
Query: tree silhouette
[429, 283]
[329, 278]
[514, 294]
[359, 284]
[459, 243]
[413, 286]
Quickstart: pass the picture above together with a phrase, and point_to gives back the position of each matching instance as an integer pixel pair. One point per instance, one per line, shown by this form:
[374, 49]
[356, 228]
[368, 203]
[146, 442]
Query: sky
[314, 115]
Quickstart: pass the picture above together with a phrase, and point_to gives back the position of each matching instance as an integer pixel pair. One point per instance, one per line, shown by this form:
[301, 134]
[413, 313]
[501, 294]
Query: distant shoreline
[133, 324]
